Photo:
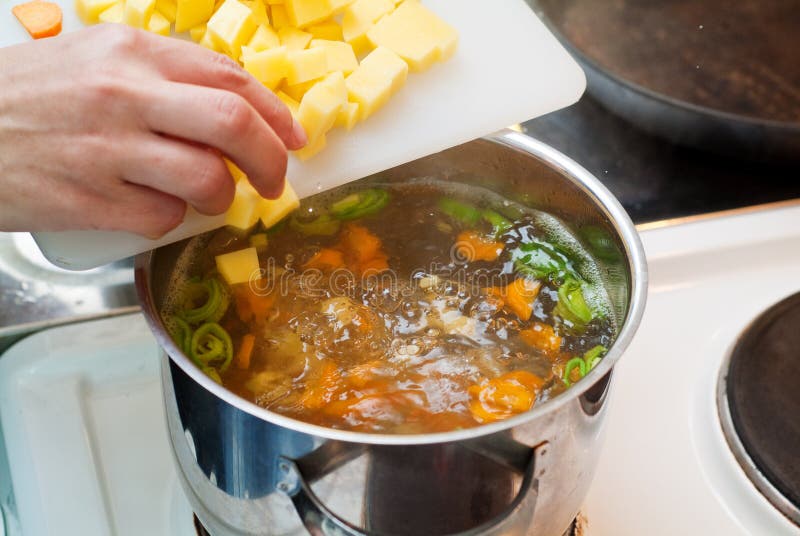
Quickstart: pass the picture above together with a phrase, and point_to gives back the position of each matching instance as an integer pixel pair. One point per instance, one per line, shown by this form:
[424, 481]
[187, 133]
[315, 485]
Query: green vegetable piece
[212, 373]
[593, 356]
[461, 212]
[179, 331]
[260, 241]
[572, 364]
[498, 222]
[211, 344]
[600, 243]
[322, 225]
[571, 304]
[213, 299]
[541, 260]
[360, 204]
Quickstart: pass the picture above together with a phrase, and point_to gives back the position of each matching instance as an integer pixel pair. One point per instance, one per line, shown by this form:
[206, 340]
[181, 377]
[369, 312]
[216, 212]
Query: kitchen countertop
[652, 179]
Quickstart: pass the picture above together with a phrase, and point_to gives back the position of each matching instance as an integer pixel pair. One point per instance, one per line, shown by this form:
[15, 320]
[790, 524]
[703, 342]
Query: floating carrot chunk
[359, 243]
[518, 296]
[326, 260]
[503, 397]
[541, 336]
[253, 304]
[472, 246]
[40, 19]
[320, 392]
[245, 351]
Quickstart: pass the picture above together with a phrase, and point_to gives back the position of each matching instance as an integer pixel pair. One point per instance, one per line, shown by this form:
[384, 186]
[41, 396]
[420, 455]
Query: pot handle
[321, 521]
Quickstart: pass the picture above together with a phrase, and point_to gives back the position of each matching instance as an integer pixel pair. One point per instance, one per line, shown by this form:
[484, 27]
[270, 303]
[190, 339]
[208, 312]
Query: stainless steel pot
[248, 471]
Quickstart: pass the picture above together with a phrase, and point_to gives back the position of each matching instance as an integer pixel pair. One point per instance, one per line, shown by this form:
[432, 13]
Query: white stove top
[80, 406]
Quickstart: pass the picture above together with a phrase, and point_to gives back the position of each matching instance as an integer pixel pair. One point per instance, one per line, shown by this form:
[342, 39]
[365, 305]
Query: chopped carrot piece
[320, 392]
[326, 259]
[500, 398]
[375, 265]
[541, 336]
[359, 243]
[252, 305]
[471, 246]
[523, 377]
[519, 296]
[245, 351]
[40, 19]
[362, 374]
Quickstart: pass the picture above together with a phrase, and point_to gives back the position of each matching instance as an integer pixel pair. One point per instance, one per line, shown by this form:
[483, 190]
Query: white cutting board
[508, 68]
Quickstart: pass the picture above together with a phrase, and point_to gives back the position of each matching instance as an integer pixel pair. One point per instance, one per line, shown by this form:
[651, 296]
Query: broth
[407, 308]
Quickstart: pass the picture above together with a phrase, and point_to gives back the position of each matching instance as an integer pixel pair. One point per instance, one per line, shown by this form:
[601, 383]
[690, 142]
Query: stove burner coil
[758, 398]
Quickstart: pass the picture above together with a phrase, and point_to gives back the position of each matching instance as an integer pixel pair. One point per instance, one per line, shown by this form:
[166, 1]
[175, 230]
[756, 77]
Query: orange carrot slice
[471, 246]
[245, 351]
[541, 336]
[40, 19]
[326, 259]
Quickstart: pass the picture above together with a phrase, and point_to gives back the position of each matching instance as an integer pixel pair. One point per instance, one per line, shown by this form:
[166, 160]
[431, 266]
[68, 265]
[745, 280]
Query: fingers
[219, 119]
[182, 61]
[194, 174]
[147, 212]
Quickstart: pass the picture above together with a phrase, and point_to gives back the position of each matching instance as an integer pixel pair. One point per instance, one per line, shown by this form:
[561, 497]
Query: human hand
[118, 129]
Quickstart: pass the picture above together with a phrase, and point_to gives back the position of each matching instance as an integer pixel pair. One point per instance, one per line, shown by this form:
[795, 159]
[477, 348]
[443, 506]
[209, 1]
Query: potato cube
[89, 10]
[290, 103]
[232, 26]
[320, 106]
[191, 13]
[234, 170]
[272, 2]
[340, 55]
[303, 13]
[158, 24]
[168, 8]
[348, 116]
[361, 15]
[243, 212]
[307, 65]
[339, 5]
[378, 77]
[313, 147]
[326, 30]
[137, 12]
[259, 10]
[280, 18]
[297, 91]
[209, 43]
[294, 39]
[274, 210]
[239, 266]
[113, 14]
[416, 34]
[197, 32]
[264, 37]
[268, 66]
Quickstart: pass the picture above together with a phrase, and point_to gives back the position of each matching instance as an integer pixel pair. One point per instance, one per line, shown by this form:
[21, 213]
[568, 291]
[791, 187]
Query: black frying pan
[718, 75]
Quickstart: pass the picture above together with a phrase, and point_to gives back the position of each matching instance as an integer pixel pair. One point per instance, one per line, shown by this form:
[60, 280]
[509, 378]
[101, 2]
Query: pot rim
[570, 170]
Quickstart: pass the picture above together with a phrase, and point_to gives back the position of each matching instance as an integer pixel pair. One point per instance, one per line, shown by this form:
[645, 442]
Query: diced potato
[272, 2]
[232, 26]
[348, 116]
[378, 77]
[197, 32]
[306, 65]
[158, 24]
[89, 10]
[297, 91]
[259, 10]
[234, 170]
[416, 34]
[191, 13]
[209, 43]
[268, 66]
[280, 19]
[294, 39]
[320, 106]
[361, 15]
[168, 8]
[244, 210]
[340, 55]
[274, 210]
[238, 266]
[326, 30]
[311, 148]
[339, 5]
[264, 37]
[303, 13]
[137, 12]
[290, 103]
[113, 14]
